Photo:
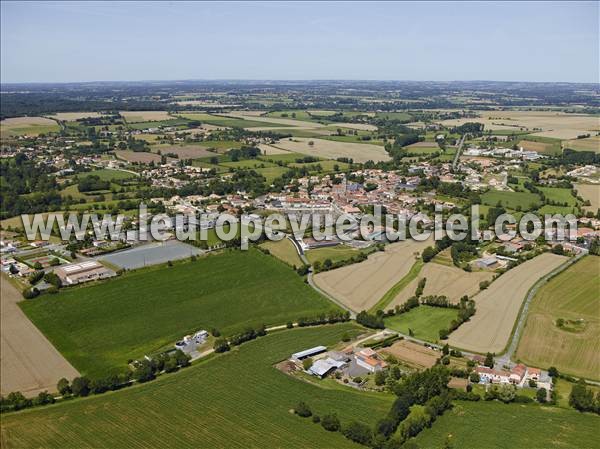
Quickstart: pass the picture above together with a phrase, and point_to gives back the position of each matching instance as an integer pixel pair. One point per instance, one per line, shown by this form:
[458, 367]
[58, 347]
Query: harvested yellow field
[279, 121]
[329, 149]
[138, 156]
[27, 126]
[449, 281]
[358, 126]
[540, 147]
[559, 125]
[145, 116]
[587, 144]
[29, 362]
[413, 354]
[589, 192]
[498, 306]
[359, 286]
[72, 116]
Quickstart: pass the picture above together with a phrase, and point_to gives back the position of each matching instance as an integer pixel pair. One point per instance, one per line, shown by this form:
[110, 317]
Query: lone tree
[489, 360]
[303, 410]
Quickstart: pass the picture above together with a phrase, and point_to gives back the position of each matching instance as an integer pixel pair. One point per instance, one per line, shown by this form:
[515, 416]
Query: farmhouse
[83, 272]
[369, 359]
[518, 373]
[488, 375]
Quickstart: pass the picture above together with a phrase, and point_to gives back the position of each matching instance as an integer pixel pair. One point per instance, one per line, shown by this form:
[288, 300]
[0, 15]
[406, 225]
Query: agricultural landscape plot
[30, 126]
[574, 297]
[284, 250]
[100, 327]
[225, 392]
[589, 192]
[413, 354]
[557, 125]
[587, 144]
[139, 157]
[423, 322]
[476, 425]
[73, 116]
[498, 306]
[329, 149]
[145, 116]
[361, 285]
[186, 151]
[30, 363]
[450, 281]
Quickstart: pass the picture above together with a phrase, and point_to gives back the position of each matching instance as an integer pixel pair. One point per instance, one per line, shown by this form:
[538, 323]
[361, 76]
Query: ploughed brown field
[413, 354]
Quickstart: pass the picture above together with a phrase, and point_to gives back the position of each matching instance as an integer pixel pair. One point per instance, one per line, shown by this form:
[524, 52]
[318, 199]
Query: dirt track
[498, 306]
[28, 361]
[359, 286]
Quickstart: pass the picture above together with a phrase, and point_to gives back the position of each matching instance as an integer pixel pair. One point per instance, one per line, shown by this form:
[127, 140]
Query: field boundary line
[389, 296]
[515, 336]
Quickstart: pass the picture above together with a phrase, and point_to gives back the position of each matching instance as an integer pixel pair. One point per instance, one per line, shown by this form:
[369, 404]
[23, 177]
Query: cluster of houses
[519, 375]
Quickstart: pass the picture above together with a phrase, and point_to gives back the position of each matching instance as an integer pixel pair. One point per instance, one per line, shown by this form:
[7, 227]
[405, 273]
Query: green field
[284, 250]
[237, 400]
[560, 195]
[335, 253]
[511, 200]
[108, 175]
[394, 115]
[158, 123]
[483, 425]
[98, 328]
[424, 321]
[572, 295]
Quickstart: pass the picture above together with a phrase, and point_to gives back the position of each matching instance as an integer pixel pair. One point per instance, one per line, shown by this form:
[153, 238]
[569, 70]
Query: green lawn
[479, 425]
[98, 328]
[108, 175]
[237, 400]
[424, 321]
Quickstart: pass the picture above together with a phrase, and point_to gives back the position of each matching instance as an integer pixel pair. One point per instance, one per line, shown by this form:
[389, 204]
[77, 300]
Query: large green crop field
[424, 321]
[511, 200]
[237, 400]
[560, 195]
[100, 327]
[479, 425]
[572, 295]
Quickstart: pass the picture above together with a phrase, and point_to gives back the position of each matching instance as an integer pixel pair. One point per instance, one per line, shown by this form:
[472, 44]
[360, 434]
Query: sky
[436, 41]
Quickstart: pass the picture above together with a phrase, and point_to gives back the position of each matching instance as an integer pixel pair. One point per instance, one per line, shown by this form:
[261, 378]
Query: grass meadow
[236, 400]
[98, 328]
[572, 295]
[424, 321]
[478, 425]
